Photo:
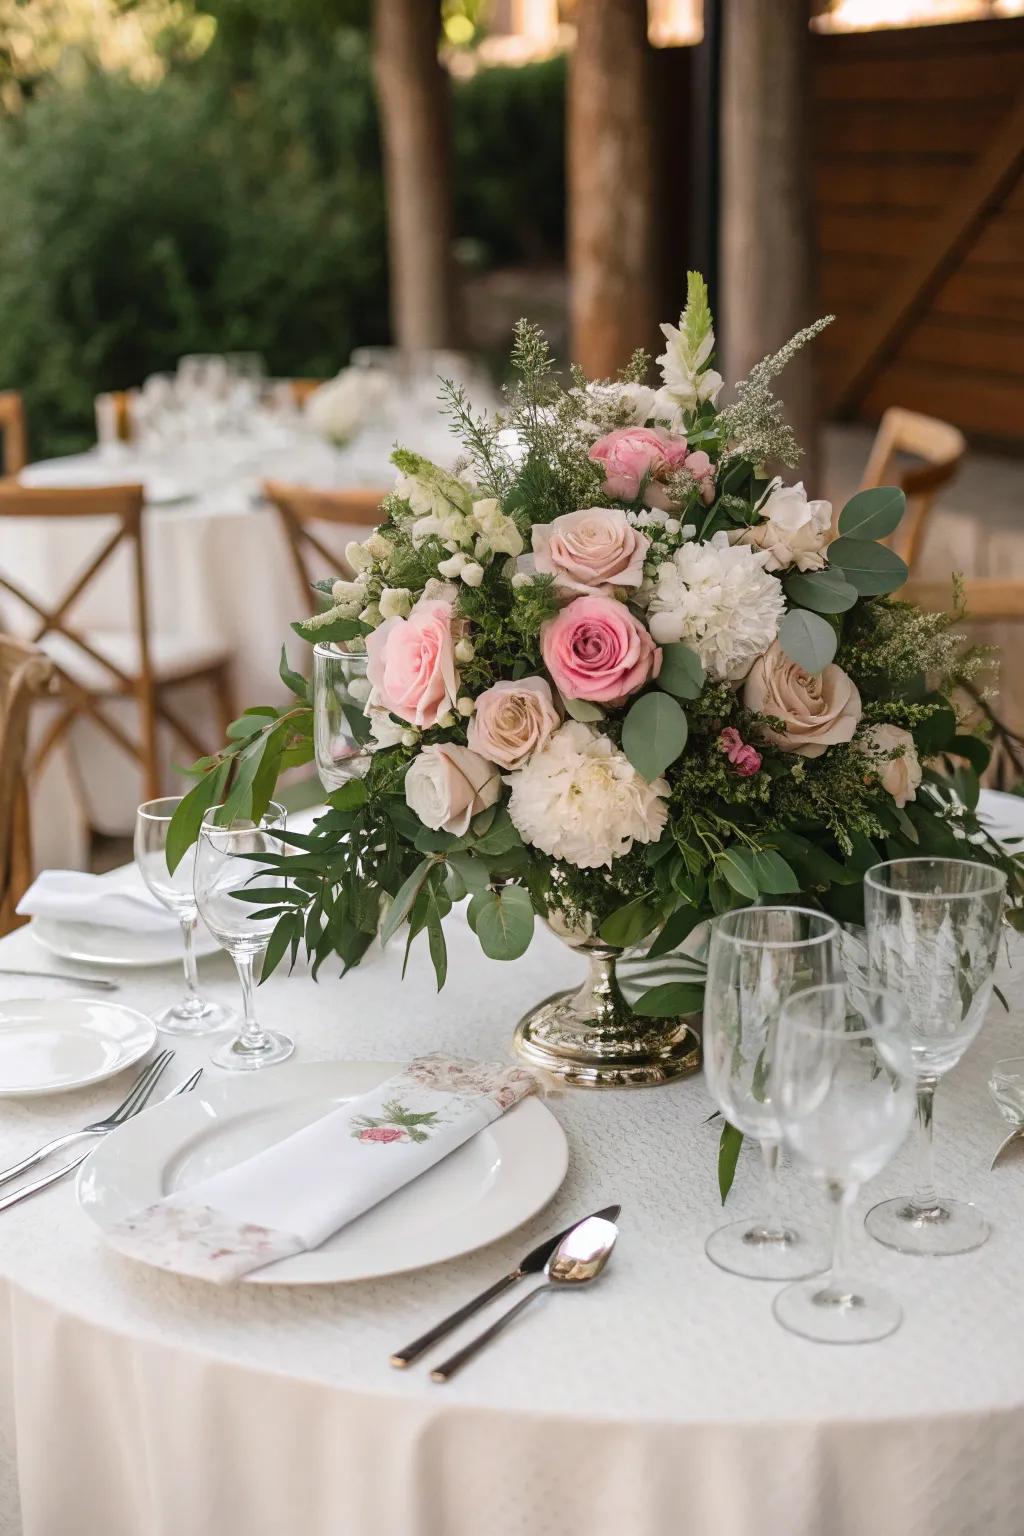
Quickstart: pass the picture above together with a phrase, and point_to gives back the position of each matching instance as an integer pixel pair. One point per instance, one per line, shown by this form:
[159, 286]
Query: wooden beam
[936, 253]
[987, 601]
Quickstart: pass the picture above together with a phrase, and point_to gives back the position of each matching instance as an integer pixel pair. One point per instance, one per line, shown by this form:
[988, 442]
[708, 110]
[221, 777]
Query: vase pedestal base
[629, 1052]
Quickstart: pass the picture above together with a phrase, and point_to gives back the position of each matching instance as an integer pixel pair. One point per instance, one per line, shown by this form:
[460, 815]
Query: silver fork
[135, 1101]
[56, 1174]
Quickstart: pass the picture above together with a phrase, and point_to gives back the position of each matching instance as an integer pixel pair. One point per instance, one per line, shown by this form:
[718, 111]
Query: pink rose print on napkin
[383, 1133]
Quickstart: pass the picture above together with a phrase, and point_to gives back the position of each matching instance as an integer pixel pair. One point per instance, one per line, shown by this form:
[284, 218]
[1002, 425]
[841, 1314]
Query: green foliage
[808, 640]
[654, 734]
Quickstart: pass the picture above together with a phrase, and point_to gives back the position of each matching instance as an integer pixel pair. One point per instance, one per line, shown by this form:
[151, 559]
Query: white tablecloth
[663, 1400]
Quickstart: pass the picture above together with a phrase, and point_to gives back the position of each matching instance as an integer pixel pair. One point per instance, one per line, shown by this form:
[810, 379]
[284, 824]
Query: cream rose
[591, 550]
[447, 785]
[899, 775]
[817, 711]
[512, 721]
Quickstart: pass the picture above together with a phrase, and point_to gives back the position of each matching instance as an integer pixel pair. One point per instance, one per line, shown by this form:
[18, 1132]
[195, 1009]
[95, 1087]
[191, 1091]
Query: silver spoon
[578, 1259]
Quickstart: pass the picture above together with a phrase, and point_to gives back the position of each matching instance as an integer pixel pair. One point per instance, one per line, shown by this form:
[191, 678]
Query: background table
[663, 1400]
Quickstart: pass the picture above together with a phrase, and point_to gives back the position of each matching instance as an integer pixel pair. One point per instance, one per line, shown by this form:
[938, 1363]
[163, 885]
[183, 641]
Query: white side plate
[58, 1044]
[486, 1188]
[95, 945]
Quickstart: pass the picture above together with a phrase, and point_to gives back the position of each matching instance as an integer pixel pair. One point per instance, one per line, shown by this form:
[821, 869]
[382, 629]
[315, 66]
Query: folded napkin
[292, 1196]
[69, 896]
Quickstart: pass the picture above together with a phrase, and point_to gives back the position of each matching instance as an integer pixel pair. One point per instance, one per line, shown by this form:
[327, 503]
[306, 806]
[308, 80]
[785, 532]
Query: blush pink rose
[512, 720]
[743, 757]
[590, 550]
[596, 649]
[383, 1133]
[411, 664]
[630, 454]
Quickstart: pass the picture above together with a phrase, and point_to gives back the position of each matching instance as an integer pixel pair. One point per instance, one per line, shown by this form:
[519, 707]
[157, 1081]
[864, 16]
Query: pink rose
[631, 454]
[588, 550]
[411, 664]
[596, 649]
[743, 757]
[816, 711]
[512, 721]
[383, 1133]
[447, 785]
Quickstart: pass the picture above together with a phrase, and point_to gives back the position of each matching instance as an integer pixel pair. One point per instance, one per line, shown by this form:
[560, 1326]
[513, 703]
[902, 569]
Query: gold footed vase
[591, 1038]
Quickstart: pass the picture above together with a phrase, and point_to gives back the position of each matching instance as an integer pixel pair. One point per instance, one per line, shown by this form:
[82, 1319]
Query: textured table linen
[663, 1400]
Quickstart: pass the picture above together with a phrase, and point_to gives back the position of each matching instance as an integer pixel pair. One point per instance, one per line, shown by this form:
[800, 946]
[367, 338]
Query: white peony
[580, 799]
[719, 599]
[795, 531]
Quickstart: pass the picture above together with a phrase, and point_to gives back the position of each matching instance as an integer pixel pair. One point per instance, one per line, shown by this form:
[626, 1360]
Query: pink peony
[382, 1133]
[589, 550]
[743, 757]
[629, 455]
[596, 649]
[411, 664]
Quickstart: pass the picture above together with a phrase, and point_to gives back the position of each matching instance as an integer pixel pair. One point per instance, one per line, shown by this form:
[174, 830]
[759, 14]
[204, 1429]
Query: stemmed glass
[933, 933]
[225, 866]
[194, 1014]
[842, 1082]
[340, 690]
[757, 957]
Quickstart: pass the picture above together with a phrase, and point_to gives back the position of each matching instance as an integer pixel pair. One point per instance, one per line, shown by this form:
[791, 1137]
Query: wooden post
[413, 92]
[611, 154]
[766, 251]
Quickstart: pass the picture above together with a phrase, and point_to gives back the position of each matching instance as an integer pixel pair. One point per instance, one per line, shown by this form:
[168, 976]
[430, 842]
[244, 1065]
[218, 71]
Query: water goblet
[340, 690]
[193, 1014]
[757, 957]
[227, 868]
[843, 1085]
[933, 933]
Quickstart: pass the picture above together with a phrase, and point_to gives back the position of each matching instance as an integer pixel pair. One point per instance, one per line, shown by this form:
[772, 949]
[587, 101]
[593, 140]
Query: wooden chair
[25, 674]
[93, 667]
[13, 432]
[303, 388]
[300, 509]
[941, 446]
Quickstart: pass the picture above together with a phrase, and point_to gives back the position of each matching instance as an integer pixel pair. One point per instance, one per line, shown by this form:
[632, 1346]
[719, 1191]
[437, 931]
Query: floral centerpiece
[614, 674]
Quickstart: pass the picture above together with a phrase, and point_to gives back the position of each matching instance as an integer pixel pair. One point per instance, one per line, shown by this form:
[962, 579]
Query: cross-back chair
[301, 509]
[25, 675]
[940, 445]
[13, 432]
[94, 668]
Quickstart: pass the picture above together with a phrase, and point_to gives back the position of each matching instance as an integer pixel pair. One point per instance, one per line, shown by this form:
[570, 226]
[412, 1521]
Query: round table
[663, 1399]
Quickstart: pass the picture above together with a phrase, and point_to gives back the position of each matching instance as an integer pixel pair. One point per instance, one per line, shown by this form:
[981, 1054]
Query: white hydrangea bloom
[580, 799]
[719, 599]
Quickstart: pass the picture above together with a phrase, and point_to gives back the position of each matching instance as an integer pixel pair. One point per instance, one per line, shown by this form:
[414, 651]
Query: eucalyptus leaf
[736, 865]
[808, 640]
[292, 680]
[822, 591]
[188, 817]
[871, 568]
[673, 1000]
[503, 921]
[582, 709]
[654, 734]
[873, 514]
[773, 875]
[628, 924]
[682, 672]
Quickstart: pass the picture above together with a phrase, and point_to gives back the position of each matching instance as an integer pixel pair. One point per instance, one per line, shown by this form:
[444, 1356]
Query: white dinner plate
[55, 1045]
[89, 470]
[484, 1189]
[94, 944]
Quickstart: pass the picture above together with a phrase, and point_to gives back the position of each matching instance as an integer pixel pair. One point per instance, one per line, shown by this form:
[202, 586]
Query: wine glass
[933, 932]
[757, 957]
[225, 867]
[194, 1014]
[842, 1082]
[340, 690]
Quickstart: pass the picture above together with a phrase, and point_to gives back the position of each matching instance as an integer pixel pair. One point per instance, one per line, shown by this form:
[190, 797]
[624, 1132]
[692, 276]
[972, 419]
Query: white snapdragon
[472, 573]
[358, 556]
[348, 598]
[379, 547]
[370, 615]
[688, 381]
[385, 731]
[395, 603]
[439, 501]
[497, 534]
[466, 706]
[465, 650]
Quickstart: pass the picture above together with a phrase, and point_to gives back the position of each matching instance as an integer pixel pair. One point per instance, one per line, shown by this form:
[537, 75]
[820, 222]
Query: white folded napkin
[292, 1196]
[69, 896]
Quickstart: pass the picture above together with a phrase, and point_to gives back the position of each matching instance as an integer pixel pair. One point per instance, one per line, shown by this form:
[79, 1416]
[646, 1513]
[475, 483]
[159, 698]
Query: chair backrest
[987, 600]
[13, 432]
[25, 674]
[119, 509]
[940, 445]
[301, 509]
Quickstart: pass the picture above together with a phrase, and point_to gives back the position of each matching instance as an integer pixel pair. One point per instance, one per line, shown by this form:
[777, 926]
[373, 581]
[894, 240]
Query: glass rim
[207, 825]
[331, 650]
[145, 809]
[840, 1034]
[998, 879]
[831, 932]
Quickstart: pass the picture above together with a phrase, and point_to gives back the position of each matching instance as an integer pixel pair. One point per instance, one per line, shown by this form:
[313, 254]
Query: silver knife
[59, 1173]
[532, 1264]
[79, 981]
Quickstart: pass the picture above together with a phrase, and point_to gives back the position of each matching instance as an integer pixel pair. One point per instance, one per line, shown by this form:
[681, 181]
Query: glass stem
[252, 1037]
[774, 1226]
[188, 930]
[924, 1197]
[842, 1197]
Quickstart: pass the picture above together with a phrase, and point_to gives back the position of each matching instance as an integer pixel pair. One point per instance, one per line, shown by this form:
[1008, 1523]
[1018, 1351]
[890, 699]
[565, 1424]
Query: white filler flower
[580, 799]
[719, 599]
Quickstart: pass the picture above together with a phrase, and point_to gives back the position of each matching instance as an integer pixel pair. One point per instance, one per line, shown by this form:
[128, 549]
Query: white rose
[795, 531]
[447, 785]
[894, 759]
